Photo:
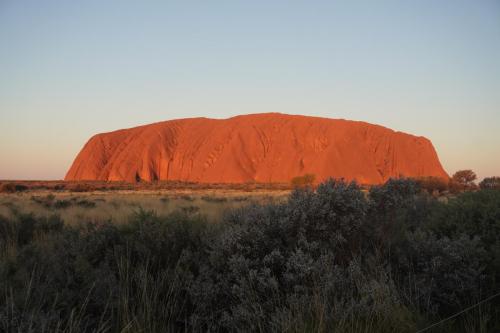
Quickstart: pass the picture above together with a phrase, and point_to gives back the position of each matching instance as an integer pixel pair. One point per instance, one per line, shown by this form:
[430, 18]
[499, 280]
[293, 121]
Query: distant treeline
[463, 180]
[332, 259]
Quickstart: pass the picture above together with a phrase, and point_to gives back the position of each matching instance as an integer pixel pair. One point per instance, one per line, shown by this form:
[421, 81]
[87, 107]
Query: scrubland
[333, 259]
[118, 206]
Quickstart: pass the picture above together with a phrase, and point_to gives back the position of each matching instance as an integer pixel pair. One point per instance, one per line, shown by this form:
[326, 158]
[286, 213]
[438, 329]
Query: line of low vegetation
[329, 259]
[463, 180]
[91, 186]
[50, 202]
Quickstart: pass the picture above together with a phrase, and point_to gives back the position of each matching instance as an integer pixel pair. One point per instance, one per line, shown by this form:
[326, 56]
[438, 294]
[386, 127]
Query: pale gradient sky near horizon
[70, 69]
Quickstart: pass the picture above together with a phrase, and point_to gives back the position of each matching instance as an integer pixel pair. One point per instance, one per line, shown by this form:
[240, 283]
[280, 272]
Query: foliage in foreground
[333, 259]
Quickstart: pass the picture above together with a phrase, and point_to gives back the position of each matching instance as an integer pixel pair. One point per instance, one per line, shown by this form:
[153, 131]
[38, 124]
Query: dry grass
[118, 206]
[10, 186]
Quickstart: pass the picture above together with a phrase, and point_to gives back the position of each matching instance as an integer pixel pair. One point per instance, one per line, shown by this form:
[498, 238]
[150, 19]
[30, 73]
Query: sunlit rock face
[267, 147]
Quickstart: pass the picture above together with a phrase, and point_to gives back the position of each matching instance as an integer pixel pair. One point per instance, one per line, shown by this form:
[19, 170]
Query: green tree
[490, 183]
[463, 180]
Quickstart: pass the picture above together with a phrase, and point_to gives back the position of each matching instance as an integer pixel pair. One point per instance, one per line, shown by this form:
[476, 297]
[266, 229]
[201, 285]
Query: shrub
[59, 204]
[491, 183]
[240, 198]
[331, 259]
[447, 275]
[433, 184]
[187, 197]
[473, 214]
[392, 209]
[13, 188]
[215, 199]
[463, 180]
[86, 203]
[24, 228]
[190, 209]
[80, 187]
[134, 276]
[271, 259]
[303, 181]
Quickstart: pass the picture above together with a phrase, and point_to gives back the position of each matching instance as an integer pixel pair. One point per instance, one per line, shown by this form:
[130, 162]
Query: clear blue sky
[70, 69]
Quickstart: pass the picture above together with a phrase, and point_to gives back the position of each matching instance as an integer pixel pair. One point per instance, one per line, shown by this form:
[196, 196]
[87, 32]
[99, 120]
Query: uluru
[269, 147]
